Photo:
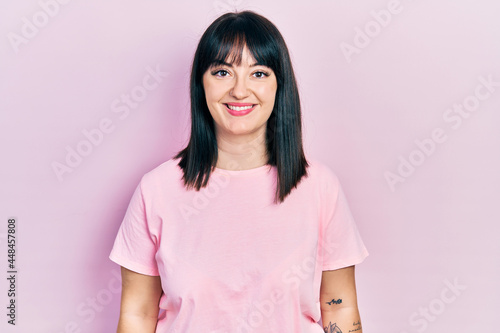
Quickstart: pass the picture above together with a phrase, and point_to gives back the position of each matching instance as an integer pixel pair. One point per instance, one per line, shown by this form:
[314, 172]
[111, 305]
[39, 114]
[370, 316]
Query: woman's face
[240, 98]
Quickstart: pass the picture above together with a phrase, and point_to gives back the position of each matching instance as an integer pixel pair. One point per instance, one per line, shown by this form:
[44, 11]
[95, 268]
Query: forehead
[238, 58]
[232, 49]
[241, 56]
[237, 49]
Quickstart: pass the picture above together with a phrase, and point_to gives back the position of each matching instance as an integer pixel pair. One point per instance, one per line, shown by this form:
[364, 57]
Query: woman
[239, 232]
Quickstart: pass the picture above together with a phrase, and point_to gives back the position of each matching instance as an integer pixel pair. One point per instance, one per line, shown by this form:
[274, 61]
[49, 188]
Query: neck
[241, 153]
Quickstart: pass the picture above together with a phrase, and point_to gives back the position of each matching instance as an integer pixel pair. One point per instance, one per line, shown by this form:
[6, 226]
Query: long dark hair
[227, 36]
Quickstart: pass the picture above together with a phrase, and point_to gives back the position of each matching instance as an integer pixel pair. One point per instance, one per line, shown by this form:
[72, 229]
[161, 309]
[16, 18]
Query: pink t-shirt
[230, 260]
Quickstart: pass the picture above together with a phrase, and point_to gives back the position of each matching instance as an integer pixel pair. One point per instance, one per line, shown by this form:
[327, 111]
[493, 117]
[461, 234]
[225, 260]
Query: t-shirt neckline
[261, 169]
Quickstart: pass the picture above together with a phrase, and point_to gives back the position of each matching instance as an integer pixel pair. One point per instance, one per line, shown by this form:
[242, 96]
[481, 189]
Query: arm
[339, 305]
[139, 303]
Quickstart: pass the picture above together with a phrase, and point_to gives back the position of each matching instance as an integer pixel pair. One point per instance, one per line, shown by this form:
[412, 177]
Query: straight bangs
[227, 41]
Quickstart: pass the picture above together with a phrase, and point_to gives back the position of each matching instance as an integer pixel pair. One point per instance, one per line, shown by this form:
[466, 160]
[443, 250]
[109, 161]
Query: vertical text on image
[11, 270]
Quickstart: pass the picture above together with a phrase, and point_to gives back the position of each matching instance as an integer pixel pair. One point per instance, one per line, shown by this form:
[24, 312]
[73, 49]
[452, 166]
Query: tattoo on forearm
[333, 301]
[332, 328]
[357, 326]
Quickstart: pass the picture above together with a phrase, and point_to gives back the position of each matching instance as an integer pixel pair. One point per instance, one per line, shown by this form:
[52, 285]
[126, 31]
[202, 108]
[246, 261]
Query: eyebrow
[216, 63]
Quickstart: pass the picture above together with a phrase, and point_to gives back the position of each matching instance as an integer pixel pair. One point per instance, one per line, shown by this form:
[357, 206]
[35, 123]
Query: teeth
[239, 108]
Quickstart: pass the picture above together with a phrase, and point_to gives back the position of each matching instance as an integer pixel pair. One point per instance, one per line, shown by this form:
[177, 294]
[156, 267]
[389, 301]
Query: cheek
[268, 95]
[208, 87]
[213, 92]
[211, 97]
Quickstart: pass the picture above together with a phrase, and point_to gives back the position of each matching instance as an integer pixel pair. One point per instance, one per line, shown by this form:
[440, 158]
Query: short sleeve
[135, 245]
[340, 240]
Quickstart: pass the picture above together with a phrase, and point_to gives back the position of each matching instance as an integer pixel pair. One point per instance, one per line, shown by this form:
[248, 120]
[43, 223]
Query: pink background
[436, 226]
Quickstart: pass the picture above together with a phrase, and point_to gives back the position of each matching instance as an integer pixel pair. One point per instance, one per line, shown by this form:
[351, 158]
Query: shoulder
[167, 172]
[321, 172]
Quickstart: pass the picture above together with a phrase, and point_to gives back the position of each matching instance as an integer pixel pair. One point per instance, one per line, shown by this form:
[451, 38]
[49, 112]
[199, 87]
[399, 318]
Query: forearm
[136, 324]
[342, 320]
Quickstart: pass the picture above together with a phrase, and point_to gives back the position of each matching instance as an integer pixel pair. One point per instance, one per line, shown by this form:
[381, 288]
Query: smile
[240, 109]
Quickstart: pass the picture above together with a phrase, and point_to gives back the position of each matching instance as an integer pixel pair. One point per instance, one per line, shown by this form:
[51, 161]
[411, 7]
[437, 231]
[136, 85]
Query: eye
[261, 74]
[220, 73]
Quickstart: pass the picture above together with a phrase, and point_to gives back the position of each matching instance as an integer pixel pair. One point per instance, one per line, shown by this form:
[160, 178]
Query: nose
[240, 88]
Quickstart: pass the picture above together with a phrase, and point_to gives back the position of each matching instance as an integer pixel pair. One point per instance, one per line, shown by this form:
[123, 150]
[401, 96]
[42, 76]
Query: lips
[239, 106]
[240, 109]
